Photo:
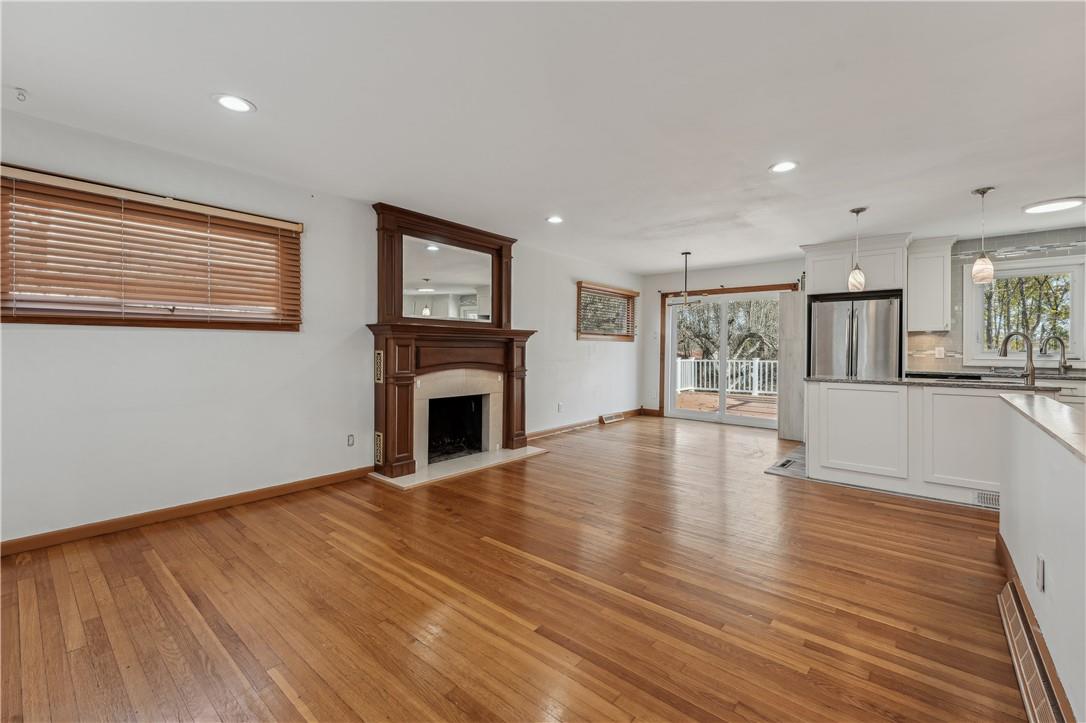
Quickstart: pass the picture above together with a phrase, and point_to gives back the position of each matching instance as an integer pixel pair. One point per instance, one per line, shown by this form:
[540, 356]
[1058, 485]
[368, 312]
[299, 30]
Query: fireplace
[455, 427]
[417, 359]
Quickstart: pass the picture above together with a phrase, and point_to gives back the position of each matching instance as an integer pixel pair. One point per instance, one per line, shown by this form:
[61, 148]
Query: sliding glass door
[721, 355]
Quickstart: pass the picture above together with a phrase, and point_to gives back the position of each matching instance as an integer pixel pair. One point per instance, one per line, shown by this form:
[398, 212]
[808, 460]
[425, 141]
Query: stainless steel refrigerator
[855, 335]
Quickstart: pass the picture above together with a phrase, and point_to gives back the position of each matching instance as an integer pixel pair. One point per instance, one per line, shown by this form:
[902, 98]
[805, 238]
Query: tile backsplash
[1037, 244]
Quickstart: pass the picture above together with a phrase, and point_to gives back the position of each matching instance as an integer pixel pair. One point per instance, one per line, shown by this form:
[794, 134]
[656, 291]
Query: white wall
[587, 377]
[774, 272]
[101, 422]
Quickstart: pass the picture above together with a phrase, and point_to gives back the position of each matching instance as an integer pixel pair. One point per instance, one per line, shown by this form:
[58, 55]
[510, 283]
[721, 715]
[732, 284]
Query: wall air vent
[378, 448]
[988, 499]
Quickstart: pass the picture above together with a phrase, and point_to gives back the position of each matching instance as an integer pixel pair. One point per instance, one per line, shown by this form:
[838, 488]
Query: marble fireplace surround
[457, 383]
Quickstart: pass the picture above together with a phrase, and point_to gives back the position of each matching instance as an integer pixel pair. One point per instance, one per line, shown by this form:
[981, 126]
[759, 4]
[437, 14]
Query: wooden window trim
[222, 313]
[630, 295]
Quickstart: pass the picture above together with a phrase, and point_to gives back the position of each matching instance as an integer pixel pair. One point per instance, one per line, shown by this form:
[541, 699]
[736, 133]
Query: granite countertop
[1058, 420]
[915, 382]
[1076, 375]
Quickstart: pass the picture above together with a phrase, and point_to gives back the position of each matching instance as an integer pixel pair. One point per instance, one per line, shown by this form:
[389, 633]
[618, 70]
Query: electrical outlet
[1040, 574]
[559, 406]
[350, 440]
[940, 352]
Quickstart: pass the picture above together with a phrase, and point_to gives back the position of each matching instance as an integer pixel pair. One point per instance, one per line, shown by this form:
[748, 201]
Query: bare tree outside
[1037, 305]
[737, 353]
[752, 330]
[699, 331]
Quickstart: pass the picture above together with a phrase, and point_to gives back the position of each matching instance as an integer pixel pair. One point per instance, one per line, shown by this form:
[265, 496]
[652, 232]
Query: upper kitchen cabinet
[882, 259]
[929, 284]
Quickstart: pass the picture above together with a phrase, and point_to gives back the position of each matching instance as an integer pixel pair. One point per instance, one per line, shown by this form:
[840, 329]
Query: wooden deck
[643, 570]
[747, 405]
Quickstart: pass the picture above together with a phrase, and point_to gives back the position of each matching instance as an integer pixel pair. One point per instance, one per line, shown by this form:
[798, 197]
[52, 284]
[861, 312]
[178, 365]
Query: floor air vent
[988, 499]
[608, 418]
[1033, 681]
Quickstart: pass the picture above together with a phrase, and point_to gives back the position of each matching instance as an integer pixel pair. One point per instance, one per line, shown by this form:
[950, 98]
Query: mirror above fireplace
[441, 281]
[437, 273]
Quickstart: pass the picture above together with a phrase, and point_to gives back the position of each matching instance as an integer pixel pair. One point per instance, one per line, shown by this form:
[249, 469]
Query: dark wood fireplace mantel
[407, 348]
[406, 351]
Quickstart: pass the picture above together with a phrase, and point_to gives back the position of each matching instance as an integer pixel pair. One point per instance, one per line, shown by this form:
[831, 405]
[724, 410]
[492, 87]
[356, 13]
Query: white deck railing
[743, 376]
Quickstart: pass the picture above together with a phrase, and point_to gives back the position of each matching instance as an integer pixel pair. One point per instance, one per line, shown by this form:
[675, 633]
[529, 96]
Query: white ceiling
[649, 127]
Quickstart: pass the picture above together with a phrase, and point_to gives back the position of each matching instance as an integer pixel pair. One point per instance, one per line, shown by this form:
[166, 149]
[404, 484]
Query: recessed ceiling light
[426, 291]
[235, 103]
[554, 219]
[432, 247]
[1055, 204]
[783, 166]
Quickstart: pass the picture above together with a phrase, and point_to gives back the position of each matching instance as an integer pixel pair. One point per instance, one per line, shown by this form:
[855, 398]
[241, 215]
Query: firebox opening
[455, 427]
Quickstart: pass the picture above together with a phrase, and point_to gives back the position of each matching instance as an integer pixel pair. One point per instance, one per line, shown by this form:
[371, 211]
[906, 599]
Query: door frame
[668, 334]
[665, 295]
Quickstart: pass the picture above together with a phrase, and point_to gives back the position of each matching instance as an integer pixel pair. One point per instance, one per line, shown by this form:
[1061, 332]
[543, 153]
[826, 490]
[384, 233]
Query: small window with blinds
[605, 313]
[81, 253]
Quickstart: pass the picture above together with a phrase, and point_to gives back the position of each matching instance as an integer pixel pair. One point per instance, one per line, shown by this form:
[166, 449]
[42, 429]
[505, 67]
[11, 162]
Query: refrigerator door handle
[854, 342]
[849, 369]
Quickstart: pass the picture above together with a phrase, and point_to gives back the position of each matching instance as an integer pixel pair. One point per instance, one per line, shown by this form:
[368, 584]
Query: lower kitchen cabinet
[935, 441]
[963, 437]
[847, 439]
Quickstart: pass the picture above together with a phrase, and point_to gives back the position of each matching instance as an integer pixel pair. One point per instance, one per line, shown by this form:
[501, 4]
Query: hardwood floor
[644, 570]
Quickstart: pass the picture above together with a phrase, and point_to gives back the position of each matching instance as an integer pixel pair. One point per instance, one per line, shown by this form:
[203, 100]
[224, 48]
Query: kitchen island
[944, 439]
[1042, 530]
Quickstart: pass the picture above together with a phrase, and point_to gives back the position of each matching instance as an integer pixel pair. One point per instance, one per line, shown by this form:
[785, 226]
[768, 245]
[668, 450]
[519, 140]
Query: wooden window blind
[80, 253]
[606, 313]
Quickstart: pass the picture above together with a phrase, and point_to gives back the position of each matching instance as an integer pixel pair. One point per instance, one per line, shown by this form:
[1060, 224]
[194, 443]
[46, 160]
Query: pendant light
[686, 277]
[983, 271]
[856, 280]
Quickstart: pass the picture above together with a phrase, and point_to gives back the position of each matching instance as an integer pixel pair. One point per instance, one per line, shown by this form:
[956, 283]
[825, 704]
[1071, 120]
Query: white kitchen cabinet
[930, 440]
[827, 271]
[881, 258]
[849, 441]
[883, 268]
[929, 306]
[963, 434]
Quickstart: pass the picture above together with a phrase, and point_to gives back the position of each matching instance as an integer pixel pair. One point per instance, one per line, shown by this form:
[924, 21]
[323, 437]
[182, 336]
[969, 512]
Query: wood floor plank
[35, 691]
[646, 570]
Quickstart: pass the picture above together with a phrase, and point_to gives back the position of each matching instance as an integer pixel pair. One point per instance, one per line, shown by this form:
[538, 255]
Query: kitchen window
[1041, 297]
[75, 252]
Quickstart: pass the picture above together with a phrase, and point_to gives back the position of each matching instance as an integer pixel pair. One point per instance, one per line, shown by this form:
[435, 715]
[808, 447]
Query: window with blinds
[80, 253]
[605, 312]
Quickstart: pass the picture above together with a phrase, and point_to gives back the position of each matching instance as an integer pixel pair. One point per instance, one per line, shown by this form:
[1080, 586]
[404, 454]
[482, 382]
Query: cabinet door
[929, 291]
[883, 269]
[827, 271]
[965, 440]
[864, 428]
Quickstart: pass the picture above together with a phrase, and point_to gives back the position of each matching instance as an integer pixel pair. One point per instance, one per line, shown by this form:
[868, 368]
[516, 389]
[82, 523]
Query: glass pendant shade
[983, 271]
[856, 279]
